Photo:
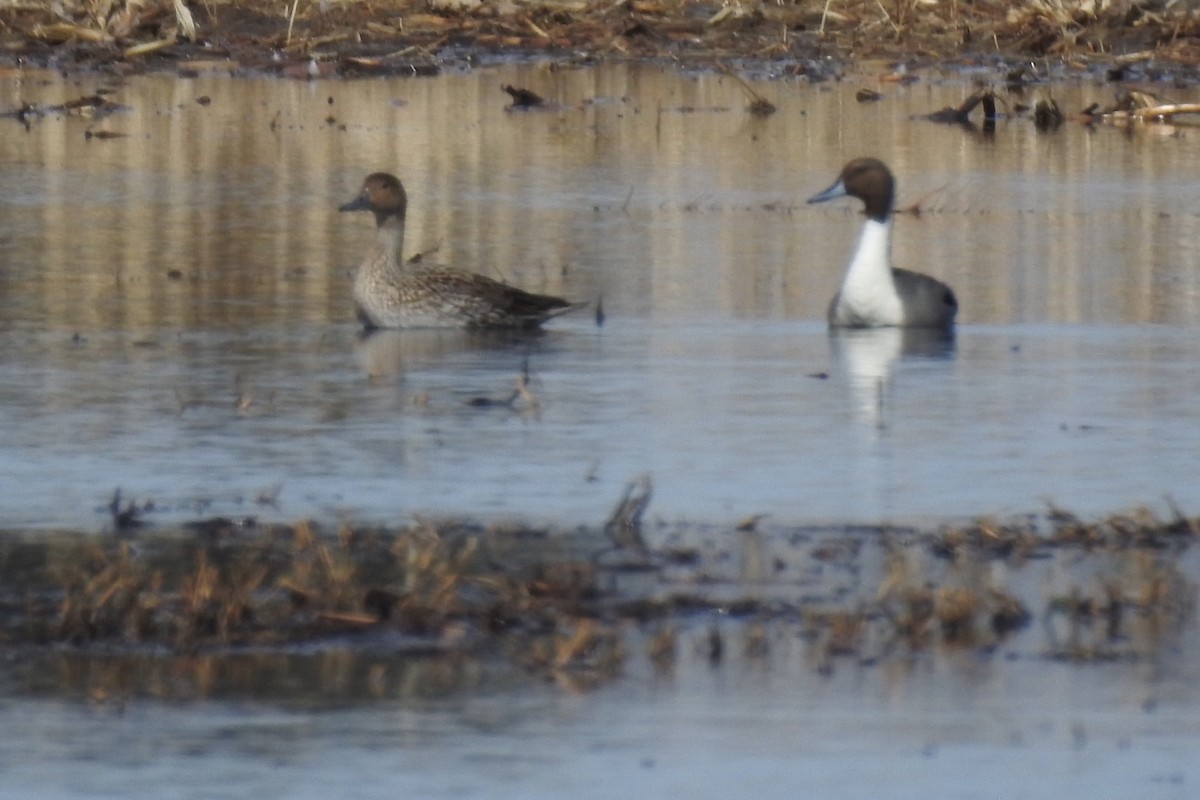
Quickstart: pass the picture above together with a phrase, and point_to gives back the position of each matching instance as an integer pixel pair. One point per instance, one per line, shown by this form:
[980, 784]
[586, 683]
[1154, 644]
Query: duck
[389, 293]
[874, 294]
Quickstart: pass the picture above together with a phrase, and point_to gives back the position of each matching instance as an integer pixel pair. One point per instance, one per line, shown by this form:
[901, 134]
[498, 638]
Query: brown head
[382, 194]
[869, 180]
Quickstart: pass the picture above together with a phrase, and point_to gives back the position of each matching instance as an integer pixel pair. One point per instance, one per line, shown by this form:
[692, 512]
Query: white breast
[868, 296]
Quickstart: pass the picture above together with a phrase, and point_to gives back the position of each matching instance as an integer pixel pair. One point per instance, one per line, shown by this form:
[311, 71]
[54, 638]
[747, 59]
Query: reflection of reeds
[580, 653]
[1133, 608]
[663, 647]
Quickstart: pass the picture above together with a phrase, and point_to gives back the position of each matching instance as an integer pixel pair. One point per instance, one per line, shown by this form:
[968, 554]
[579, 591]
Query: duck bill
[833, 192]
[360, 203]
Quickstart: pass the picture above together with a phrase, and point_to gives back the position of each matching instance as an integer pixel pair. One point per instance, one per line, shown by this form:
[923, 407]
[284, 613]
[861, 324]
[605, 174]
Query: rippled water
[175, 321]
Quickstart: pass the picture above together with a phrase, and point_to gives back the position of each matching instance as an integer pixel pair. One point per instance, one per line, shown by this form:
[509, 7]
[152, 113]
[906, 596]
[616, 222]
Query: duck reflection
[869, 355]
[390, 353]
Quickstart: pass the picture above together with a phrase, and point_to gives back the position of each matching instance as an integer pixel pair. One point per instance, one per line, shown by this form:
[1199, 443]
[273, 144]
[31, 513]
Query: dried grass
[1126, 588]
[386, 35]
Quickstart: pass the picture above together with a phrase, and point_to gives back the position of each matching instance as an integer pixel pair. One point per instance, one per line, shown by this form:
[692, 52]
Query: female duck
[875, 294]
[390, 294]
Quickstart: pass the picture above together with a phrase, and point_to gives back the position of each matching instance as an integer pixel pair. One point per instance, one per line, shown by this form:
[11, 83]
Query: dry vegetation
[555, 605]
[405, 35]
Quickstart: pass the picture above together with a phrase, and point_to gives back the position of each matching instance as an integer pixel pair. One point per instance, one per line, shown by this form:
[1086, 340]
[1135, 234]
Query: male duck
[875, 294]
[391, 294]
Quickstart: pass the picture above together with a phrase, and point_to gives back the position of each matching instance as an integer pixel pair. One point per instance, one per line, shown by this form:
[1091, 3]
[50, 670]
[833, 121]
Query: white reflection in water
[869, 356]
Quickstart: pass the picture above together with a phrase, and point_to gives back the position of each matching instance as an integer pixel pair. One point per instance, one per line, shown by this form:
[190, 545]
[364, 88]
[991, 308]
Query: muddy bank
[213, 607]
[1148, 39]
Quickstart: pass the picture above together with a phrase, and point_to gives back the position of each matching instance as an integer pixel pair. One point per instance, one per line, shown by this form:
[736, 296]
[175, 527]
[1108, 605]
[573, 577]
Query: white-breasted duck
[391, 294]
[875, 294]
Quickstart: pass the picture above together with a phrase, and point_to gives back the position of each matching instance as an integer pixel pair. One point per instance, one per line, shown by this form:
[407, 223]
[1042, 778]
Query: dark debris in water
[523, 98]
[94, 107]
[961, 115]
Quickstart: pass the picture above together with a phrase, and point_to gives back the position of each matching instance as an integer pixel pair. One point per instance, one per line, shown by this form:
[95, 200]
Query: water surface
[994, 729]
[175, 315]
[175, 321]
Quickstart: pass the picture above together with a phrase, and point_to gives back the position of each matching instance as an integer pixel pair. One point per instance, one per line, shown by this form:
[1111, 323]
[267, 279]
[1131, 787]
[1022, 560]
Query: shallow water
[986, 728]
[175, 320]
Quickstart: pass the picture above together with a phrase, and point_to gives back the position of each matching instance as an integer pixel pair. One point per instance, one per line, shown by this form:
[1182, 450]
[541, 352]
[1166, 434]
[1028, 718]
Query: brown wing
[490, 302]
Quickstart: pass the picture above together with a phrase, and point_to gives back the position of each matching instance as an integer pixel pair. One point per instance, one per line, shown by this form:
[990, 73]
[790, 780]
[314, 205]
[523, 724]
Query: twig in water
[758, 103]
[523, 390]
[127, 518]
[624, 527]
[914, 208]
[961, 115]
[1140, 106]
[1047, 115]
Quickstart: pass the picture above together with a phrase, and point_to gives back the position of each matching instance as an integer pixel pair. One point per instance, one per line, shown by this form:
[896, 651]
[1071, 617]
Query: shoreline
[813, 40]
